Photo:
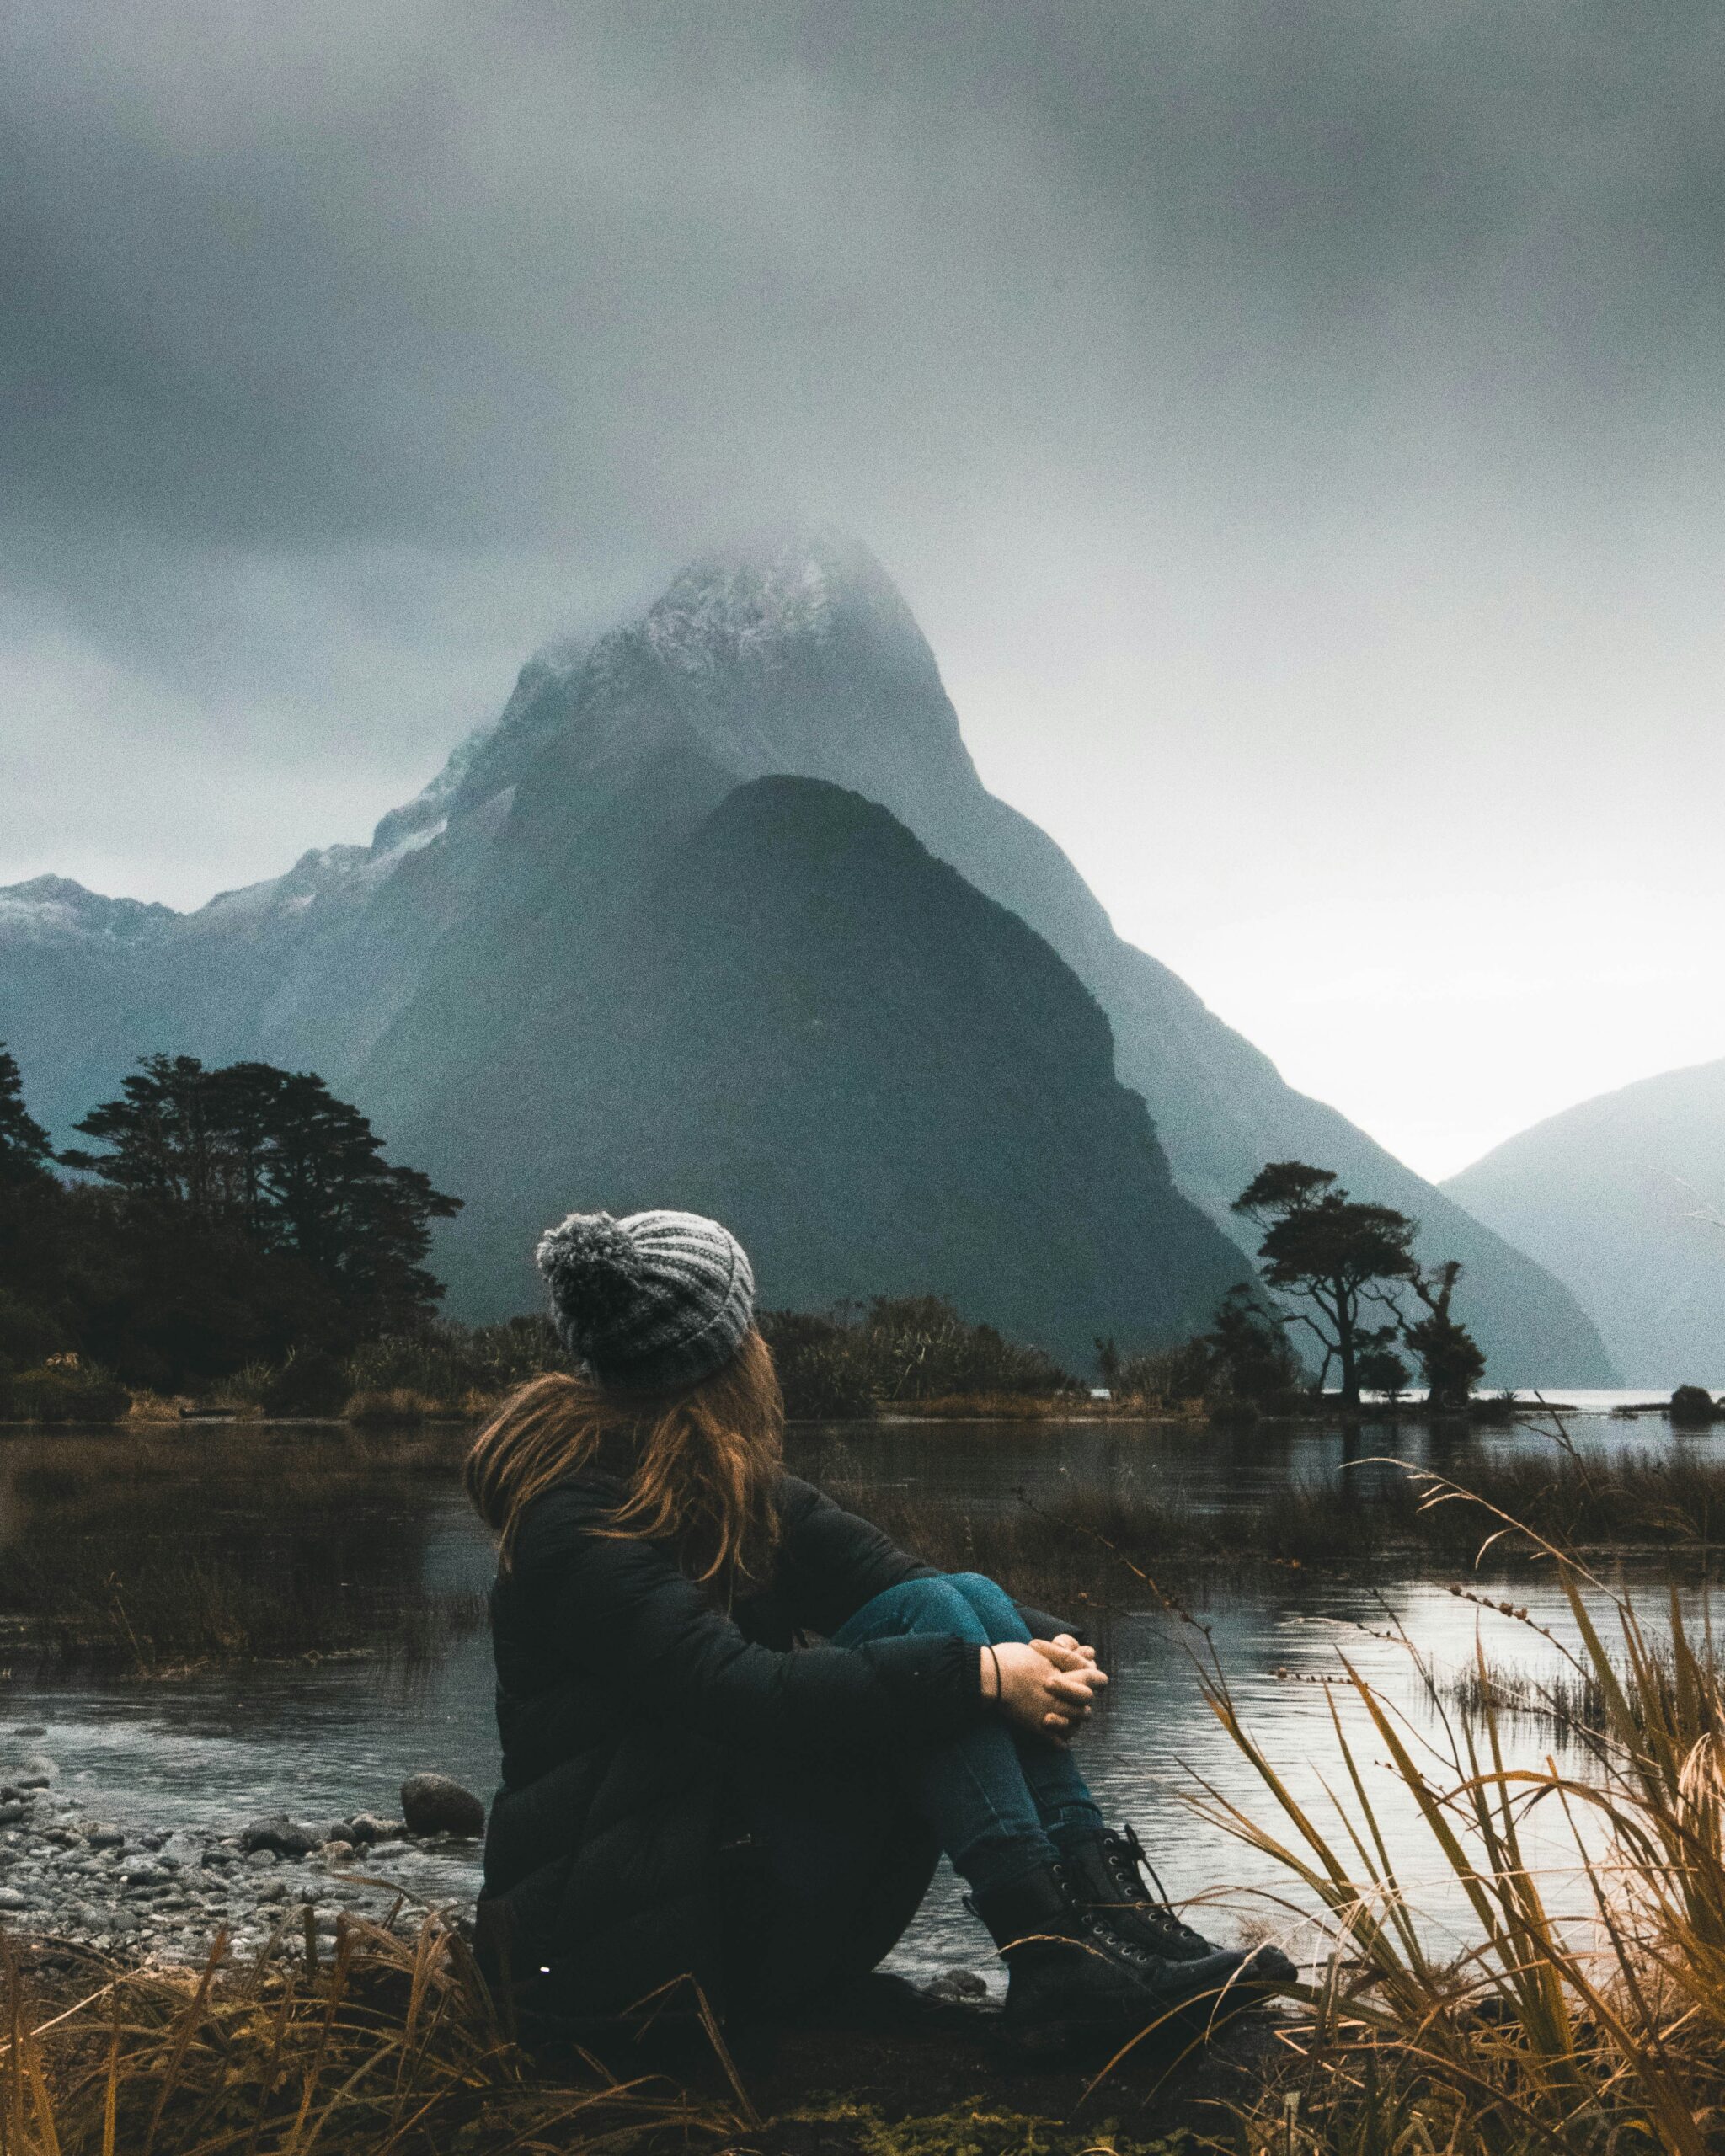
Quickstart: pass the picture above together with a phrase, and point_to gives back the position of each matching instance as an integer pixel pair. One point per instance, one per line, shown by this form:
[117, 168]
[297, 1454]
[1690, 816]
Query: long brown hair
[699, 1466]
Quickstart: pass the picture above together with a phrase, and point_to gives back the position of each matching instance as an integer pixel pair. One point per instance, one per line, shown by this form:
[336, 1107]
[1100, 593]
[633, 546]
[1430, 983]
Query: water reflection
[208, 1749]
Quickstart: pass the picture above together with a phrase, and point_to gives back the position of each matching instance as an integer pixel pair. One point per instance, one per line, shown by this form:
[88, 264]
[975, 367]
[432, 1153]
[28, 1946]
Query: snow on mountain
[53, 909]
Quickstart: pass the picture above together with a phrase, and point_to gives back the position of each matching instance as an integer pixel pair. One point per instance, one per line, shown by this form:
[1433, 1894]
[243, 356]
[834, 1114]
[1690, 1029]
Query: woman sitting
[739, 1726]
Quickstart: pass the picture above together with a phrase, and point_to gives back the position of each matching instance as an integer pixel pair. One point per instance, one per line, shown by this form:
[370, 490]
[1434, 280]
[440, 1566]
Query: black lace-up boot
[1074, 1981]
[1107, 1871]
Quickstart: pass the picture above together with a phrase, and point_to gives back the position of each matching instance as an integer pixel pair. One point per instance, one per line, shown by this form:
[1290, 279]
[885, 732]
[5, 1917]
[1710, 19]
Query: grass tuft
[376, 2044]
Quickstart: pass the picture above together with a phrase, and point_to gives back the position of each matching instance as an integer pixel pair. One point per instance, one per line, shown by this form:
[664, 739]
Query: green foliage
[898, 1349]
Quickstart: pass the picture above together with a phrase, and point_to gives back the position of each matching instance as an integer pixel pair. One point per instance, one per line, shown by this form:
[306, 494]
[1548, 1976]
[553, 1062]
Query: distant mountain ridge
[1612, 1195]
[801, 659]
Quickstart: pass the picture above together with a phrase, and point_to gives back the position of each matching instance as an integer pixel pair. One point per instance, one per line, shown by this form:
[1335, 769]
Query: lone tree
[1339, 1256]
[1450, 1357]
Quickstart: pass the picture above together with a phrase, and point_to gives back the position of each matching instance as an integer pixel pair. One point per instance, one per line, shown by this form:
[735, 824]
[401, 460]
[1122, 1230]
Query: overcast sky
[1298, 428]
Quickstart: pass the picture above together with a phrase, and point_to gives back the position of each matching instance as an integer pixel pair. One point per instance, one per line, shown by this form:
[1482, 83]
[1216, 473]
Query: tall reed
[1598, 2031]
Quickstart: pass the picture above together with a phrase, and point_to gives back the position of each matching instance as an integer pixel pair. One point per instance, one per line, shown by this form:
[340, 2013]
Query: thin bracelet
[999, 1691]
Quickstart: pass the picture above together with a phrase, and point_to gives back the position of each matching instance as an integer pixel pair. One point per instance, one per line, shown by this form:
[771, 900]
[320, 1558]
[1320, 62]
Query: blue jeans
[848, 1856]
[998, 1801]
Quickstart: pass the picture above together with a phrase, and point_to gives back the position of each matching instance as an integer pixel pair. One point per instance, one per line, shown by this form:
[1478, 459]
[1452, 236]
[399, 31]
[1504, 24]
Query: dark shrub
[309, 1383]
[1172, 1375]
[1692, 1407]
[62, 1394]
[28, 1336]
[898, 1349]
[444, 1361]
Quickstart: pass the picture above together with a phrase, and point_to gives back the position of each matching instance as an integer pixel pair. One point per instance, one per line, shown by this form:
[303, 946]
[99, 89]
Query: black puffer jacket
[626, 1699]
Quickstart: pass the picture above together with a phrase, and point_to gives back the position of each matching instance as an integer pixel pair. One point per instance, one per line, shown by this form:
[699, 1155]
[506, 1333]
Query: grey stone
[27, 1782]
[955, 1985]
[434, 1804]
[31, 1729]
[279, 1833]
[366, 1827]
[337, 1852]
[13, 1814]
[100, 1837]
[126, 1923]
[261, 1860]
[14, 1898]
[146, 1875]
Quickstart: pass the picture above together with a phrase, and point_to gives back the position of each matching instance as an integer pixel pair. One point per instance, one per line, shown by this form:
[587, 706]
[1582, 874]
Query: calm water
[331, 1738]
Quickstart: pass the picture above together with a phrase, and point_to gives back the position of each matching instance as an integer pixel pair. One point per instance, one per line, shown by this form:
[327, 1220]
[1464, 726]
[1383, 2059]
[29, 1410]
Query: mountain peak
[793, 652]
[743, 602]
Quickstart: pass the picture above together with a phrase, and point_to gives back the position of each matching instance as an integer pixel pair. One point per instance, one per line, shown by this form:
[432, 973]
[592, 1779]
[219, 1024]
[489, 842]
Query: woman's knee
[939, 1605]
[990, 1602]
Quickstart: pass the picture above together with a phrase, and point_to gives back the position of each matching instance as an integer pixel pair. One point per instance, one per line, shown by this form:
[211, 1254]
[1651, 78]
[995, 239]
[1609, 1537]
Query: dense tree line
[245, 1218]
[214, 1219]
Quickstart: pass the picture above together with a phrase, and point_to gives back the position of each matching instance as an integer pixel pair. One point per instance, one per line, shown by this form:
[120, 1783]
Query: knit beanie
[655, 1300]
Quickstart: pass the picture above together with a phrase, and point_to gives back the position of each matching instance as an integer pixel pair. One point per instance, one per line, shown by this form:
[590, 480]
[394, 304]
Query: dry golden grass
[1602, 2035]
[386, 2046]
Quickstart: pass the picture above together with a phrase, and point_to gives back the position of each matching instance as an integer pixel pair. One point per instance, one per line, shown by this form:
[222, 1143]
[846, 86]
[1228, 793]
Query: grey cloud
[344, 347]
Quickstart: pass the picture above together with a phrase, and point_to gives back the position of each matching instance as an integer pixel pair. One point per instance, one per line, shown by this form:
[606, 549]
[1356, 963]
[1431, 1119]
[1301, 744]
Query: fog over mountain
[418, 974]
[1297, 428]
[1623, 1197]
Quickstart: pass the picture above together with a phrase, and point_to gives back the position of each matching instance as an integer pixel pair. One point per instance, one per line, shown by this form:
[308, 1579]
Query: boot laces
[1128, 1861]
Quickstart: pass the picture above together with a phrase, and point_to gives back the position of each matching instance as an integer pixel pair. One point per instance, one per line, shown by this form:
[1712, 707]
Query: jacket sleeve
[676, 1656]
[831, 1562]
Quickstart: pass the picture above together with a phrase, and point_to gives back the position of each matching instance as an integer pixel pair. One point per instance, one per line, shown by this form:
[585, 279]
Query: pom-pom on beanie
[655, 1298]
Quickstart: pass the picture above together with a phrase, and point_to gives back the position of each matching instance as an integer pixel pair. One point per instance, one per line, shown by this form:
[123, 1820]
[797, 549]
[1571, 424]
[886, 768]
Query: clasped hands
[1046, 1688]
